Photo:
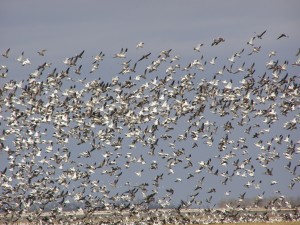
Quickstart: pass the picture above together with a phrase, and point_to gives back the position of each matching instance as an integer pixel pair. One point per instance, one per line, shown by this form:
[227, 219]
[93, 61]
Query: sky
[70, 26]
[65, 28]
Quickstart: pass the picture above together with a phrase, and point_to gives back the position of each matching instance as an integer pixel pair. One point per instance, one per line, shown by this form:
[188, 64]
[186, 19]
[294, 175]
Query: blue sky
[65, 28]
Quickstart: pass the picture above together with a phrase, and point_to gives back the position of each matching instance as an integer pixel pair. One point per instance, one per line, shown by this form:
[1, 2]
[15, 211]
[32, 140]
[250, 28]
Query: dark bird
[217, 41]
[145, 56]
[260, 35]
[282, 35]
[298, 53]
[80, 54]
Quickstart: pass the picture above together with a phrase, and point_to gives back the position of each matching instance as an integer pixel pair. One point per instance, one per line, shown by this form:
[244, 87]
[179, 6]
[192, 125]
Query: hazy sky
[65, 28]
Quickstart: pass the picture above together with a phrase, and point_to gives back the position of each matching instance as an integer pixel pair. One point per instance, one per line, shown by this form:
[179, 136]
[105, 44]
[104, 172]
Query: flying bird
[42, 52]
[260, 35]
[282, 35]
[198, 47]
[217, 41]
[5, 54]
[139, 45]
[121, 54]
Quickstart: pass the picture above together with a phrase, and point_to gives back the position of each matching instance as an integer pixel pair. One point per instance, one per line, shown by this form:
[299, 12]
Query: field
[166, 216]
[264, 223]
[136, 223]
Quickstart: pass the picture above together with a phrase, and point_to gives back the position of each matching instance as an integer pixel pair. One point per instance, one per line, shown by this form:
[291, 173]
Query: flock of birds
[144, 139]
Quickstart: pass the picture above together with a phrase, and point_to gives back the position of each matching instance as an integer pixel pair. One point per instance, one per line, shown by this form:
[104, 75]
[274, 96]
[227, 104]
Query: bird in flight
[42, 52]
[282, 35]
[140, 45]
[217, 41]
[260, 35]
[197, 48]
[121, 54]
[5, 54]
